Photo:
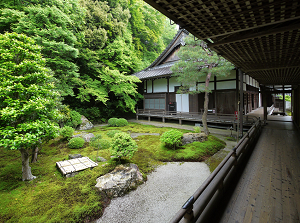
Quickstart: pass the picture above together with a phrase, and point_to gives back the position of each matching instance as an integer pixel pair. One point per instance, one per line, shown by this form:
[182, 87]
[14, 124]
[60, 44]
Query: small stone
[74, 156]
[101, 159]
[86, 136]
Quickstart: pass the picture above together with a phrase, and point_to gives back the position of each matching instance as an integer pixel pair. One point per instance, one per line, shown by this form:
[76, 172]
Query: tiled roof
[156, 69]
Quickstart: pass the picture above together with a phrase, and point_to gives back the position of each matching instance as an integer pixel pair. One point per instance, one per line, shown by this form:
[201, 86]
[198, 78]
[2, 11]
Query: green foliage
[112, 122]
[76, 143]
[66, 132]
[123, 146]
[112, 133]
[147, 28]
[99, 143]
[287, 97]
[122, 122]
[197, 61]
[93, 114]
[74, 119]
[172, 139]
[52, 26]
[197, 129]
[27, 96]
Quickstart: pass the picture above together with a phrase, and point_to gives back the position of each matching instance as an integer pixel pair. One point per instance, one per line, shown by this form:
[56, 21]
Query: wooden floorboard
[269, 187]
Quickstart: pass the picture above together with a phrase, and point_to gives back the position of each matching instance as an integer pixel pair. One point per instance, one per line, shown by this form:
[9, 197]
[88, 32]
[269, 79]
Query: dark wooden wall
[226, 101]
[193, 103]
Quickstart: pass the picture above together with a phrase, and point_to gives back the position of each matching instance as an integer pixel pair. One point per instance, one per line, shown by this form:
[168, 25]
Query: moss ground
[53, 198]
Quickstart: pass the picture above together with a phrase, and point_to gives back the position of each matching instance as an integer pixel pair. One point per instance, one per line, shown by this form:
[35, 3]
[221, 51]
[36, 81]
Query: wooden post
[241, 101]
[283, 94]
[264, 94]
[215, 91]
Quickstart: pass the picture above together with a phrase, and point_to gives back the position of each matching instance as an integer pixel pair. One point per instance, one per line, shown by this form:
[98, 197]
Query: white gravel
[160, 197]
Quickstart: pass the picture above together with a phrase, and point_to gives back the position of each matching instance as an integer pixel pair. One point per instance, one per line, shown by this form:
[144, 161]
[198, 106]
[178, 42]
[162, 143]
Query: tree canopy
[198, 61]
[27, 97]
[88, 43]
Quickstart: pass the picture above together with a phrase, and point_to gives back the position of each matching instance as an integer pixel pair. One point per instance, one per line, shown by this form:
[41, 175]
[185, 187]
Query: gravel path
[160, 197]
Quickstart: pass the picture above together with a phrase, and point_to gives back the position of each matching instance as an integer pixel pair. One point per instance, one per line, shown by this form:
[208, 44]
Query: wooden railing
[230, 118]
[201, 202]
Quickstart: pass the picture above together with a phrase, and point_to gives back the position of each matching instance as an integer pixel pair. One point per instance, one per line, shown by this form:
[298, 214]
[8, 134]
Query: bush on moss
[122, 122]
[172, 139]
[112, 133]
[123, 146]
[76, 143]
[74, 119]
[112, 122]
[99, 143]
[66, 132]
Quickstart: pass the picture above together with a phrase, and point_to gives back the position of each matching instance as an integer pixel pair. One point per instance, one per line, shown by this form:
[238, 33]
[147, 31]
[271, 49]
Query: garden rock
[101, 159]
[86, 136]
[193, 137]
[74, 156]
[85, 124]
[120, 180]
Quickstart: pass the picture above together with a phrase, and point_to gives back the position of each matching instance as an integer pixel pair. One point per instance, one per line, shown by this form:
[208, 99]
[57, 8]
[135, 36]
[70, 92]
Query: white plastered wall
[160, 85]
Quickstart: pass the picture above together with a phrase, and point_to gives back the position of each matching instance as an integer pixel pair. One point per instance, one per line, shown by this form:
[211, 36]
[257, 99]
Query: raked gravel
[160, 197]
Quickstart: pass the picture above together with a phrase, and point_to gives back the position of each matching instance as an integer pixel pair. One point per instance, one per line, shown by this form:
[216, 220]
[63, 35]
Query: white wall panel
[149, 86]
[172, 84]
[182, 102]
[160, 85]
[226, 85]
[231, 75]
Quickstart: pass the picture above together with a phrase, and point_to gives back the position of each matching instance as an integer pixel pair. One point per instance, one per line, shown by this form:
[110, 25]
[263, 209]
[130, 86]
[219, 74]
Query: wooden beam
[255, 35]
[271, 68]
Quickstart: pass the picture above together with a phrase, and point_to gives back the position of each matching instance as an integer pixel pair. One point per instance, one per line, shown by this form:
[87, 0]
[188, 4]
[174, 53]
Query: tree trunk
[35, 152]
[26, 169]
[206, 99]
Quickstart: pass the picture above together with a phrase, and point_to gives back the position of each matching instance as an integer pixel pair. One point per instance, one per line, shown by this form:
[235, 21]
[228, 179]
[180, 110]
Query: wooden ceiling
[260, 37]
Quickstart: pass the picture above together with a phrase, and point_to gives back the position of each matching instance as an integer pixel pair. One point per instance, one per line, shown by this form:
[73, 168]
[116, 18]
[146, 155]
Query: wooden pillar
[215, 94]
[241, 101]
[237, 89]
[264, 95]
[283, 94]
[168, 94]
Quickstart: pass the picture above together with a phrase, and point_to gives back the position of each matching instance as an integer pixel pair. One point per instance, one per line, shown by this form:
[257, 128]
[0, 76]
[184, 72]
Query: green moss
[53, 198]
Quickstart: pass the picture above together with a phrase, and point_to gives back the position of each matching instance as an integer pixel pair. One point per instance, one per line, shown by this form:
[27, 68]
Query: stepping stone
[71, 167]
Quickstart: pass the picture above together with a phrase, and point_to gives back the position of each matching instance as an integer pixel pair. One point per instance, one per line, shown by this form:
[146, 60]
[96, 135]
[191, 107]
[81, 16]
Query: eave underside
[260, 37]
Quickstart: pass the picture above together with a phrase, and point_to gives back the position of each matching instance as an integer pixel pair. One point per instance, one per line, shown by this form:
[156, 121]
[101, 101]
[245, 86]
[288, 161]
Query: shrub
[66, 132]
[123, 146]
[74, 119]
[172, 138]
[112, 121]
[99, 143]
[112, 133]
[197, 129]
[122, 122]
[76, 143]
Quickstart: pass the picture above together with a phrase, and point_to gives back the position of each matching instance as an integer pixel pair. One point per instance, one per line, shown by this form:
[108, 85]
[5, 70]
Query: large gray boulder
[193, 137]
[120, 180]
[85, 124]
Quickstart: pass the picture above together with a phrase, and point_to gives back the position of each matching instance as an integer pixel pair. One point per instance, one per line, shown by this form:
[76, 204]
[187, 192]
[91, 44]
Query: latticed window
[157, 103]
